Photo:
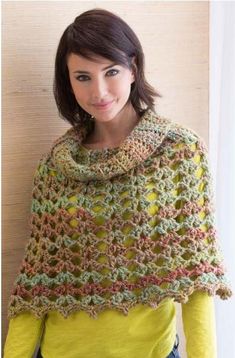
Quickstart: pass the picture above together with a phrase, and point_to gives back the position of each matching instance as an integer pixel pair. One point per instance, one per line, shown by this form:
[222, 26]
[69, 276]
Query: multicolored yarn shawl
[110, 228]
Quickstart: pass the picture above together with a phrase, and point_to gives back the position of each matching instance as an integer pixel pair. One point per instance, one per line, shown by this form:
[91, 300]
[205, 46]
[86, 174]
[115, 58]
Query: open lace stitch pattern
[141, 234]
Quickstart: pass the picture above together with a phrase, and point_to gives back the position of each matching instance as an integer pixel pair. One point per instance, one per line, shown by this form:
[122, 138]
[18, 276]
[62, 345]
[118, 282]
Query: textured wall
[174, 36]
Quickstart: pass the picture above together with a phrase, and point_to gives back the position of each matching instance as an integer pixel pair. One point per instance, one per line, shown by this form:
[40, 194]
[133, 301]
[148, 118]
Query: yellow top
[145, 332]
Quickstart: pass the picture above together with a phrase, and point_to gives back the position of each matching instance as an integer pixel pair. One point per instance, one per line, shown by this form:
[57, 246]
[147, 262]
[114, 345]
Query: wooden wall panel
[174, 36]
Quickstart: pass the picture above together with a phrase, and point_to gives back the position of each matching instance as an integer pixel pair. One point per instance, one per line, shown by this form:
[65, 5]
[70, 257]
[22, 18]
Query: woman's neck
[112, 133]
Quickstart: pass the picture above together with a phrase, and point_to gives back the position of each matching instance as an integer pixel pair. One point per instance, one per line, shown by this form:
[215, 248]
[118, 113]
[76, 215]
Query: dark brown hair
[99, 32]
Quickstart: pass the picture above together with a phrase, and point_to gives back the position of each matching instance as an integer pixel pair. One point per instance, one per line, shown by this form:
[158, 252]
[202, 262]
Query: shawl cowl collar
[141, 143]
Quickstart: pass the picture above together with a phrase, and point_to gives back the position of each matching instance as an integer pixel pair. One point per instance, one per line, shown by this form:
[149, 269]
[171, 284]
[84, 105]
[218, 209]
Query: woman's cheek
[121, 87]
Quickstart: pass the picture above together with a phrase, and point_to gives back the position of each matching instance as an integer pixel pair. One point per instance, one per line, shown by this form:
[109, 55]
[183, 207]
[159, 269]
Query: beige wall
[174, 36]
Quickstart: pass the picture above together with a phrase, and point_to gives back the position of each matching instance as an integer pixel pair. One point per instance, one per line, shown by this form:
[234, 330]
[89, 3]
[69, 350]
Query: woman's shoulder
[178, 133]
[46, 158]
[185, 134]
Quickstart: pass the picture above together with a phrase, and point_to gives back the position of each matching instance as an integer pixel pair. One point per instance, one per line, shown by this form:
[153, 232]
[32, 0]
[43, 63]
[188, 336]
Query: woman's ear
[134, 68]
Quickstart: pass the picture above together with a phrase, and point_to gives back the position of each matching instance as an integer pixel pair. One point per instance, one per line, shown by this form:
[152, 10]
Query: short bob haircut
[99, 32]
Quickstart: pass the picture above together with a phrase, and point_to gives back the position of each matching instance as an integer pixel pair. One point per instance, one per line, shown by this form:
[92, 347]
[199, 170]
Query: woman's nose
[99, 89]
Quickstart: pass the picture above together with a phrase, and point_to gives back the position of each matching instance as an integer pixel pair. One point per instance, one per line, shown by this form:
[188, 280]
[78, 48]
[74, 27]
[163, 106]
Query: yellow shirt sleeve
[23, 335]
[199, 325]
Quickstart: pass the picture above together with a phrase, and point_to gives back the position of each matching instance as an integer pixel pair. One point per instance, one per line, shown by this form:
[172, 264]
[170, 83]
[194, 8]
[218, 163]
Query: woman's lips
[103, 106]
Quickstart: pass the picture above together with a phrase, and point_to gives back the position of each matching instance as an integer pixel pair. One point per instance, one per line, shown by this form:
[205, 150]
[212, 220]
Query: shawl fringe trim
[17, 306]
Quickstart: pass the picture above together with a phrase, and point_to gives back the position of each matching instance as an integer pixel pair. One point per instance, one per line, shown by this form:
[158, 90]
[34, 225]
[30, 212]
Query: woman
[121, 224]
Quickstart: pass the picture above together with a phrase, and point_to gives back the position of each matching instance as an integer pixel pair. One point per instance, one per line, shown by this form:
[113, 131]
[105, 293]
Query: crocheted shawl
[113, 227]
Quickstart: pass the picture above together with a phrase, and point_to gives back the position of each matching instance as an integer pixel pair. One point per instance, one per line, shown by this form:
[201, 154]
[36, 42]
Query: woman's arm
[199, 325]
[23, 335]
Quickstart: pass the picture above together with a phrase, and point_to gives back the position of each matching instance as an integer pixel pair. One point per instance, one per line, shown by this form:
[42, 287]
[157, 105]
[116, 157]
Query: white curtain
[222, 156]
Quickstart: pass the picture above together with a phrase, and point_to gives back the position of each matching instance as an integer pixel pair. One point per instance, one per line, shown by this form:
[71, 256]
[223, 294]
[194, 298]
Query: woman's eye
[81, 78]
[114, 71]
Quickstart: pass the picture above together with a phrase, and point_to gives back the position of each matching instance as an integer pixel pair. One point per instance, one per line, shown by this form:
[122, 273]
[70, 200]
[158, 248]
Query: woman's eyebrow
[105, 68]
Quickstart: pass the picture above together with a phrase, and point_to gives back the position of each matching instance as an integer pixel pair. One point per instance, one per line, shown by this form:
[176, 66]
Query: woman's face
[103, 82]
